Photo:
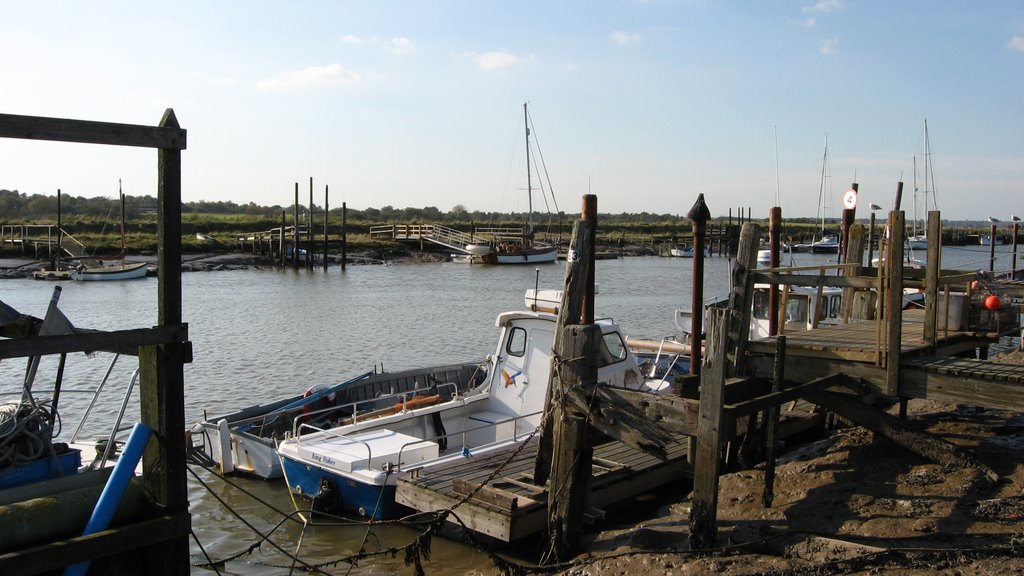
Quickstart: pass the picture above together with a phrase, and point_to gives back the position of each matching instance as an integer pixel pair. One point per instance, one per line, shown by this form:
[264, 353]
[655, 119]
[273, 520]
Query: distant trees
[16, 207]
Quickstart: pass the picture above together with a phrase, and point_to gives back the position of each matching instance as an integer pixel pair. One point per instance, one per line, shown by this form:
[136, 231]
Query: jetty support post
[326, 216]
[854, 259]
[699, 214]
[710, 430]
[992, 246]
[295, 228]
[774, 244]
[162, 381]
[569, 313]
[931, 280]
[572, 455]
[849, 215]
[894, 301]
[344, 234]
[772, 424]
[741, 295]
[310, 250]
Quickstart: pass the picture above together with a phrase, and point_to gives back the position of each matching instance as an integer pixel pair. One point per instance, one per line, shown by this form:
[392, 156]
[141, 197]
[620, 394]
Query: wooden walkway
[927, 372]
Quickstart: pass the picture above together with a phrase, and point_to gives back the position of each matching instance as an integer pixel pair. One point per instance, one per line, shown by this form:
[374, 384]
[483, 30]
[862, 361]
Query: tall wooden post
[739, 297]
[295, 229]
[1013, 258]
[589, 213]
[162, 381]
[60, 236]
[327, 213]
[774, 239]
[569, 313]
[894, 301]
[344, 234]
[572, 456]
[281, 238]
[699, 216]
[704, 508]
[310, 251]
[931, 278]
[992, 247]
[849, 214]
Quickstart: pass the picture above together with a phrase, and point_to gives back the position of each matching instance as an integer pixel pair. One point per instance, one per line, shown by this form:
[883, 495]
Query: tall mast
[121, 196]
[529, 185]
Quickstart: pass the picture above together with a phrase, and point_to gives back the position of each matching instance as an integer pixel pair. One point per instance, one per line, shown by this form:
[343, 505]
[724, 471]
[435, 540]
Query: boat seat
[489, 416]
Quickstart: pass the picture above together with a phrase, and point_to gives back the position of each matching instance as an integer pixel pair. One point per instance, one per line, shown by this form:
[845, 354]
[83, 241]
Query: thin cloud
[495, 60]
[809, 22]
[1016, 44]
[823, 7]
[351, 39]
[401, 46]
[830, 46]
[622, 38]
[223, 81]
[290, 80]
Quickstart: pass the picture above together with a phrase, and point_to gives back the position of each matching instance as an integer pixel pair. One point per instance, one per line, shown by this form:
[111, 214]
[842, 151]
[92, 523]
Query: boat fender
[327, 498]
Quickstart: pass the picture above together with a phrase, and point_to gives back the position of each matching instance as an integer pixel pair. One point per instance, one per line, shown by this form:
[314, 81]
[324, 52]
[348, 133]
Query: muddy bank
[24, 268]
[850, 503]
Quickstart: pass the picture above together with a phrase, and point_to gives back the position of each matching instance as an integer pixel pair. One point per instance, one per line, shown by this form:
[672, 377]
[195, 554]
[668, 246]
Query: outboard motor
[327, 498]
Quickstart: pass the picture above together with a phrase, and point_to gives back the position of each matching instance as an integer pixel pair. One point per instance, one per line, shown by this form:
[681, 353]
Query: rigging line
[543, 164]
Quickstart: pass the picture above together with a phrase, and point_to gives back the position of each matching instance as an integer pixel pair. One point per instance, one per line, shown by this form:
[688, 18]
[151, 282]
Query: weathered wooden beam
[934, 449]
[740, 298]
[704, 508]
[779, 397]
[91, 132]
[815, 280]
[121, 341]
[636, 418]
[55, 555]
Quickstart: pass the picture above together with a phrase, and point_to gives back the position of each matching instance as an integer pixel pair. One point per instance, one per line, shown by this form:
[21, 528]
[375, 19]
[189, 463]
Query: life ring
[317, 389]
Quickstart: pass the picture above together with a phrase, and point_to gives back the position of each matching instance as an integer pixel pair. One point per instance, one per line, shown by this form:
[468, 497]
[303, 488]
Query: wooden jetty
[155, 539]
[748, 395]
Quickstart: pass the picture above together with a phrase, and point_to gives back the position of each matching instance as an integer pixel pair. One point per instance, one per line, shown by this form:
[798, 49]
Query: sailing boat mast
[529, 185]
[822, 187]
[121, 196]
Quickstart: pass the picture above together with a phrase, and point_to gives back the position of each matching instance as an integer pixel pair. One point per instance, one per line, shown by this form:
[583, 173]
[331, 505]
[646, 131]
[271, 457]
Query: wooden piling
[327, 213]
[931, 279]
[774, 241]
[710, 432]
[572, 455]
[569, 313]
[772, 424]
[295, 228]
[894, 301]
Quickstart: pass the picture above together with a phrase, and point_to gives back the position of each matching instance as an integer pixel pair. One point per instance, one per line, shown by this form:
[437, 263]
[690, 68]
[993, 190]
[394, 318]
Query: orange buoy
[993, 302]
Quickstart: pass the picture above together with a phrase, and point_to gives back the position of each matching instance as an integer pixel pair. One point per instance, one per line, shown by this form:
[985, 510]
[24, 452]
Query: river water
[260, 334]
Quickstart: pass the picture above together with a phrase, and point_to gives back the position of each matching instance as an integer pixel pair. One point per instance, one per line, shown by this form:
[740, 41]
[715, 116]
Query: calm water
[261, 334]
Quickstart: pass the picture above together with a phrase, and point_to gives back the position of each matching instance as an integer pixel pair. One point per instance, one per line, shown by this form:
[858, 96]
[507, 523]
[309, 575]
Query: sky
[645, 103]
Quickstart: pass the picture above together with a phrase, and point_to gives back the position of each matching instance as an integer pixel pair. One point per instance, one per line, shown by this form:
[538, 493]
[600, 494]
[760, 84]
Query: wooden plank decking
[620, 472]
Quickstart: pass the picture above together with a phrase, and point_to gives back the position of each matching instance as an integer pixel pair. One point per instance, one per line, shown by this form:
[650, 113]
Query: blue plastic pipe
[112, 493]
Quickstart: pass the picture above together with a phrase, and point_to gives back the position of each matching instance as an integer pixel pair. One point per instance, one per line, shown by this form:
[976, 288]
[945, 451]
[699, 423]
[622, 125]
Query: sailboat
[826, 243]
[92, 269]
[919, 240]
[523, 250]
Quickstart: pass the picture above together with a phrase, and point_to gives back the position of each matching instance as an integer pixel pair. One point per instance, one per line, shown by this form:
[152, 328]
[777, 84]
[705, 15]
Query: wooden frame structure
[158, 542]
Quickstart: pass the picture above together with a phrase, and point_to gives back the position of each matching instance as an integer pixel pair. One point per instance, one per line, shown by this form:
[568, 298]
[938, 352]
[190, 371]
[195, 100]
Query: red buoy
[993, 302]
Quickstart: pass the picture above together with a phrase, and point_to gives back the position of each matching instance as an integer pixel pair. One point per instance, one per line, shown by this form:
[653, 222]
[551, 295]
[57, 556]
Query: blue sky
[645, 103]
